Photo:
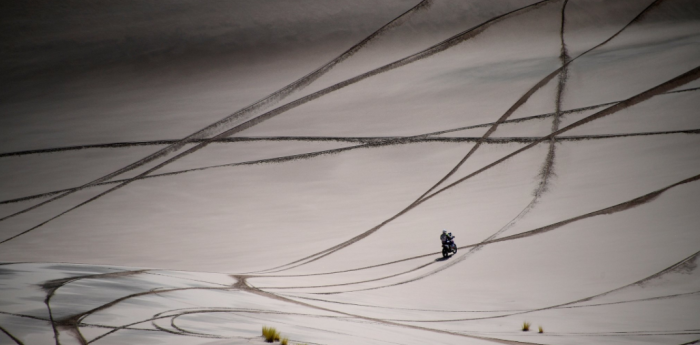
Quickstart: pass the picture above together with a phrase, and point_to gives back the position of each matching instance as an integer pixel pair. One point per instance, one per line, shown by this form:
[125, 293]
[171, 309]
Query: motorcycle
[448, 247]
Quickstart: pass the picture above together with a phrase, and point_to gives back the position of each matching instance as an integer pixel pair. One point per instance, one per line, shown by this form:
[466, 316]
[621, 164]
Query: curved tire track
[17, 341]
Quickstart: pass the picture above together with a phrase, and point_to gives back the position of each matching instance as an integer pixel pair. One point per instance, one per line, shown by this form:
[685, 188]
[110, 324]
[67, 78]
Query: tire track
[130, 144]
[426, 196]
[388, 141]
[25, 316]
[17, 341]
[259, 105]
[634, 300]
[449, 43]
[397, 308]
[183, 278]
[120, 328]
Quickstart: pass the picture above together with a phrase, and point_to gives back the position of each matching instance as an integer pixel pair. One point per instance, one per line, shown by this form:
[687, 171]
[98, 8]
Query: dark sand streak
[17, 341]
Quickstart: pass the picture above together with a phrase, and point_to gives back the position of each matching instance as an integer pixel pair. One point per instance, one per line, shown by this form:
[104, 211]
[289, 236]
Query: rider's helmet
[444, 231]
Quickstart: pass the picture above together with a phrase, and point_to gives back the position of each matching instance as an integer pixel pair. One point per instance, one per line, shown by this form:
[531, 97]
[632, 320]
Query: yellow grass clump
[270, 334]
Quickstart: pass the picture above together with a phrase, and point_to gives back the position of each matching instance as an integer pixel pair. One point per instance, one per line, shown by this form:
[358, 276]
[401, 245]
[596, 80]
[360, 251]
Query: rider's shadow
[443, 259]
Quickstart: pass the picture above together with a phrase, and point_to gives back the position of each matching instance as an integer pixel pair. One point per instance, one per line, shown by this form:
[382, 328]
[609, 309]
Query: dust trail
[668, 86]
[259, 105]
[442, 46]
[17, 341]
[299, 138]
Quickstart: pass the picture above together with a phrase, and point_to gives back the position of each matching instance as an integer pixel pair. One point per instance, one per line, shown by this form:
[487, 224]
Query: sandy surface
[327, 146]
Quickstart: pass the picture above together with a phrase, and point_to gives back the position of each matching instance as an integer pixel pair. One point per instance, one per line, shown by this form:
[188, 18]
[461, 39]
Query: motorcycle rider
[446, 237]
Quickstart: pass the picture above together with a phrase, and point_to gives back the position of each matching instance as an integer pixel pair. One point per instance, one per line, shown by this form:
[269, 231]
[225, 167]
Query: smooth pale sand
[271, 232]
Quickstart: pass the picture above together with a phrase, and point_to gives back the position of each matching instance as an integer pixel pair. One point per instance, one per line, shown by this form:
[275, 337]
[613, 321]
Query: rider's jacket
[445, 237]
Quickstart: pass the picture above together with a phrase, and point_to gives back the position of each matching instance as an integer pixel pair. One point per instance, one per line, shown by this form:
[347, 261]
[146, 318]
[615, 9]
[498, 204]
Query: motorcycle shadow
[443, 259]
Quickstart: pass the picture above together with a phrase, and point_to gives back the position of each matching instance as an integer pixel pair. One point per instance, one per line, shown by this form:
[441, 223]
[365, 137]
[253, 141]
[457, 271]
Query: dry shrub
[270, 334]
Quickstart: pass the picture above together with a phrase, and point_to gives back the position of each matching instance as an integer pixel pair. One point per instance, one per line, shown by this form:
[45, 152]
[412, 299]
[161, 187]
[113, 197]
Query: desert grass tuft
[526, 326]
[541, 329]
[270, 334]
[284, 341]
